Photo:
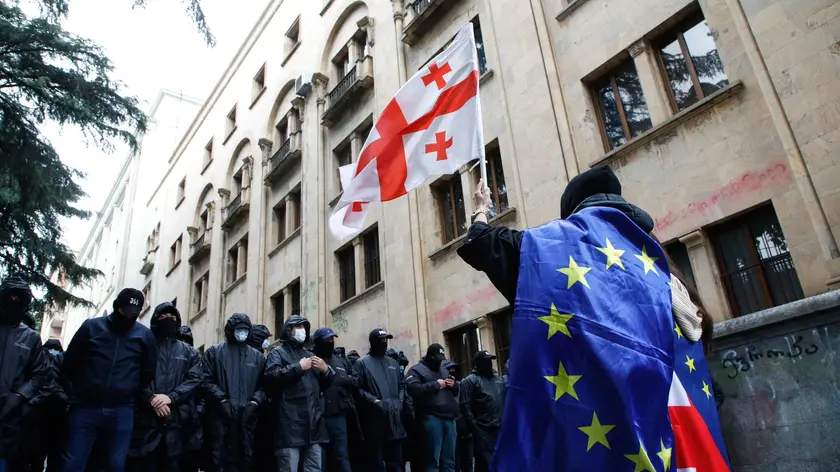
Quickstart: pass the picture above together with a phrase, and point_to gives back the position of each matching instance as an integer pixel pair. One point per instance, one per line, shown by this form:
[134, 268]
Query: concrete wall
[777, 381]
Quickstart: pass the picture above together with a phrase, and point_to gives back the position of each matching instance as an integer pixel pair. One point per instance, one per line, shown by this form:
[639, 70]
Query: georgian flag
[696, 450]
[430, 128]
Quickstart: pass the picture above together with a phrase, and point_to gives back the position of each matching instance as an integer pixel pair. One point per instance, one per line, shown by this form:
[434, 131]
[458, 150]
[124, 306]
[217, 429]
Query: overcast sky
[152, 48]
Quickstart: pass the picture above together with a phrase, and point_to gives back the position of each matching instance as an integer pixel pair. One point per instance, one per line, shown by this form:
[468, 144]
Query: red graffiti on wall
[774, 174]
[405, 334]
[456, 307]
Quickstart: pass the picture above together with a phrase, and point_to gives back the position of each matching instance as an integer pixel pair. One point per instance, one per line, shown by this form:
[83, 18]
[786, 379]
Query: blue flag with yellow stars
[592, 354]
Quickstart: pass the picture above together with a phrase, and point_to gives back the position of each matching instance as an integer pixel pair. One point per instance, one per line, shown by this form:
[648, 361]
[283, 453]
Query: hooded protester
[402, 359]
[25, 372]
[464, 446]
[110, 363]
[233, 379]
[185, 336]
[495, 250]
[353, 356]
[435, 396]
[297, 379]
[160, 427]
[259, 338]
[382, 394]
[482, 404]
[47, 426]
[339, 407]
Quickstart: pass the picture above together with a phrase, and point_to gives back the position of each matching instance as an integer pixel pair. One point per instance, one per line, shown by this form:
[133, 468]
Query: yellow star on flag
[706, 390]
[690, 363]
[648, 261]
[613, 255]
[575, 273]
[556, 321]
[664, 454]
[564, 382]
[641, 460]
[679, 332]
[596, 432]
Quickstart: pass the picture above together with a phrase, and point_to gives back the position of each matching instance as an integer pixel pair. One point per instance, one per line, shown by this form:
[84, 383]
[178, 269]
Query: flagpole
[482, 159]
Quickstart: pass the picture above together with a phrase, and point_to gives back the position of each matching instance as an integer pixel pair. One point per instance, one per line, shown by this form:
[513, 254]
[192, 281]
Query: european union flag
[592, 354]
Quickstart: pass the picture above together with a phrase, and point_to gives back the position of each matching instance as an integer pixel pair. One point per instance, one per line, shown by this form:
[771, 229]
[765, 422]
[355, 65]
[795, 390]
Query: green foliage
[47, 73]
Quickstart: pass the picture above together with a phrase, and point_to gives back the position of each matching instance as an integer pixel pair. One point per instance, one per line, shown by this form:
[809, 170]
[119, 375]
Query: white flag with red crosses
[430, 128]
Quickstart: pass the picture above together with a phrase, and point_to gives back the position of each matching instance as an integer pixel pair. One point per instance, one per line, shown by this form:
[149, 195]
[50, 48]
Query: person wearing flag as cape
[602, 376]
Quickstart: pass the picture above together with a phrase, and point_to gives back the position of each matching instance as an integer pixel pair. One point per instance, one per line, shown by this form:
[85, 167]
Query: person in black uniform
[482, 404]
[464, 444]
[382, 394]
[159, 427]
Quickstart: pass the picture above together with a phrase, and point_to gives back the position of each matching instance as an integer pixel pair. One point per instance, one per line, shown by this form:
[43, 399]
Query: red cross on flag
[430, 128]
[695, 447]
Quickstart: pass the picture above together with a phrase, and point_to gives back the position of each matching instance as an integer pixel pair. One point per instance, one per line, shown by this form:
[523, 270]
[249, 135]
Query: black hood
[393, 354]
[592, 182]
[353, 356]
[53, 344]
[185, 335]
[16, 284]
[286, 333]
[642, 219]
[233, 322]
[165, 307]
[259, 333]
[403, 359]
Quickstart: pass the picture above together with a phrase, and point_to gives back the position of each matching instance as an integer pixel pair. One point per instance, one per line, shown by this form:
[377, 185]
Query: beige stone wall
[692, 173]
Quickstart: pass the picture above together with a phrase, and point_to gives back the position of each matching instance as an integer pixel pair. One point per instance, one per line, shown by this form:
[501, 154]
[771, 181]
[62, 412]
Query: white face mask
[300, 335]
[241, 335]
[265, 344]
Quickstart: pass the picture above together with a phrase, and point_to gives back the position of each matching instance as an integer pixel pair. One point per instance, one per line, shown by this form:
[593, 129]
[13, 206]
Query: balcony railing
[424, 14]
[200, 247]
[236, 208]
[340, 98]
[282, 159]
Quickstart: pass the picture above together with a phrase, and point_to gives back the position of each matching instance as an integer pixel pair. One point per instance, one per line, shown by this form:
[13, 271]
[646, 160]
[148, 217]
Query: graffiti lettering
[456, 307]
[735, 363]
[775, 174]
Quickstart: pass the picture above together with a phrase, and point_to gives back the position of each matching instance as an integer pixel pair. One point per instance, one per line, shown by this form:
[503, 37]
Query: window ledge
[291, 53]
[564, 13]
[178, 205]
[235, 283]
[283, 243]
[229, 135]
[172, 269]
[335, 199]
[485, 76]
[260, 94]
[459, 241]
[198, 315]
[368, 292]
[206, 166]
[670, 124]
[326, 7]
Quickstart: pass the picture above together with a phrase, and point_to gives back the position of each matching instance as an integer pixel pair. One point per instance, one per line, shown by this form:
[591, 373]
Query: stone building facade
[721, 118]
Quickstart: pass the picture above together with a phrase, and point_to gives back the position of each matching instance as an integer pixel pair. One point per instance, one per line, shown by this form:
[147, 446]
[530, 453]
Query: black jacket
[179, 375]
[25, 374]
[338, 397]
[298, 406]
[109, 367]
[233, 377]
[429, 399]
[483, 400]
[382, 395]
[495, 251]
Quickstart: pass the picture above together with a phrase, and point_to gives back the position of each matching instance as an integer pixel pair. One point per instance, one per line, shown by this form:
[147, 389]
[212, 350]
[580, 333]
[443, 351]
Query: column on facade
[241, 258]
[246, 179]
[653, 85]
[287, 302]
[291, 212]
[359, 261]
[265, 149]
[319, 81]
[295, 123]
[699, 252]
[352, 55]
[224, 194]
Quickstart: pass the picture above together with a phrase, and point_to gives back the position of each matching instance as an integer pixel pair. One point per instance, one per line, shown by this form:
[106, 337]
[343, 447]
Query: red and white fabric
[430, 128]
[696, 450]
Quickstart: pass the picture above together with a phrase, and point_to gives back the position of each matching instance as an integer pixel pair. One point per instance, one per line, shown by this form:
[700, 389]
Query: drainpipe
[828, 244]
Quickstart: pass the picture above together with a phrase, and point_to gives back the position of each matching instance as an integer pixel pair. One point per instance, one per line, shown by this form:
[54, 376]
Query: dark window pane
[279, 319]
[446, 212]
[346, 273]
[463, 344]
[371, 245]
[610, 115]
[294, 292]
[460, 216]
[479, 46]
[704, 56]
[678, 75]
[633, 99]
[679, 256]
[502, 328]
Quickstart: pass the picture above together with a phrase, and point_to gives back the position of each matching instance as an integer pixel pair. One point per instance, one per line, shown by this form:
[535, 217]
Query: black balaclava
[393, 354]
[12, 311]
[185, 335]
[53, 346]
[484, 367]
[324, 348]
[592, 182]
[165, 328]
[353, 356]
[378, 346]
[403, 360]
[435, 355]
[259, 334]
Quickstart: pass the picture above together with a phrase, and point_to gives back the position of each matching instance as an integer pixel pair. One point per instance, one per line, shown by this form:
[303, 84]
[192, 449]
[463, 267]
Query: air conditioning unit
[303, 86]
